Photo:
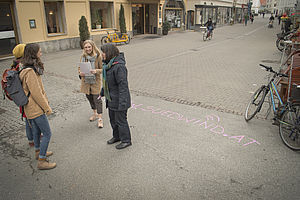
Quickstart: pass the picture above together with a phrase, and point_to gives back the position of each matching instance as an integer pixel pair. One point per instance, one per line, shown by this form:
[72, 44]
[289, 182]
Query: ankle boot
[44, 164]
[37, 152]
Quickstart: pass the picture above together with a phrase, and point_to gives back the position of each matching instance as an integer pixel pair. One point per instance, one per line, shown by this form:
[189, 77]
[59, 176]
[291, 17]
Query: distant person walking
[91, 82]
[116, 92]
[263, 15]
[246, 19]
[279, 19]
[38, 105]
[251, 18]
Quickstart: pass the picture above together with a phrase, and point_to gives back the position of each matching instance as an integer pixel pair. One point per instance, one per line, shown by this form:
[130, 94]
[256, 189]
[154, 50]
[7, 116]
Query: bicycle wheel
[127, 37]
[205, 36]
[210, 36]
[280, 44]
[255, 103]
[104, 40]
[289, 127]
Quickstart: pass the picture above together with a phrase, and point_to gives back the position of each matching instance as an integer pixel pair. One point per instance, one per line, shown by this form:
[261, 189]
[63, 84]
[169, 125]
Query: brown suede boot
[37, 152]
[44, 164]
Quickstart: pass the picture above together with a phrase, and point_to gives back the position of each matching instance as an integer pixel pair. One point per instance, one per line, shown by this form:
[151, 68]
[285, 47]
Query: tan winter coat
[37, 102]
[93, 88]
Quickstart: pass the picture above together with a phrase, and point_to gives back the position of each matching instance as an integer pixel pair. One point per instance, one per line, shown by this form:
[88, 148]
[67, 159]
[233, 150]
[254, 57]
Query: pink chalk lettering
[253, 141]
[150, 108]
[169, 116]
[166, 113]
[157, 111]
[186, 119]
[134, 106]
[205, 124]
[217, 117]
[197, 121]
[218, 129]
[239, 138]
[179, 116]
[210, 122]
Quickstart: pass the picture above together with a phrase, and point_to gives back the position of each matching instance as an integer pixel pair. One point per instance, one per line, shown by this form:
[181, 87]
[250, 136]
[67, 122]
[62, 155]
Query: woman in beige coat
[91, 83]
[38, 106]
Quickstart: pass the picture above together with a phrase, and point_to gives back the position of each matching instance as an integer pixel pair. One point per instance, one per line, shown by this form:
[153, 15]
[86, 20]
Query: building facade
[286, 6]
[54, 24]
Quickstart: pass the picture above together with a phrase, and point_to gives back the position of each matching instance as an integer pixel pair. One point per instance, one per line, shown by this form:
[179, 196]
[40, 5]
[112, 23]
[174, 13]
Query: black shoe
[113, 140]
[123, 145]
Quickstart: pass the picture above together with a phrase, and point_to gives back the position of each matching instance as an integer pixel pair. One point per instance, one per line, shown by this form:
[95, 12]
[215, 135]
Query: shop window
[174, 13]
[55, 16]
[101, 14]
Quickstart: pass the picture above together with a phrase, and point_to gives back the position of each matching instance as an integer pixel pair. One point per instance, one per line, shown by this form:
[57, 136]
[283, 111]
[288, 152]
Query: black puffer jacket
[116, 78]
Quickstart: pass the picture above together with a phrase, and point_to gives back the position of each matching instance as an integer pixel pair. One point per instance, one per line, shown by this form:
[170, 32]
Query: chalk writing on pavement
[210, 122]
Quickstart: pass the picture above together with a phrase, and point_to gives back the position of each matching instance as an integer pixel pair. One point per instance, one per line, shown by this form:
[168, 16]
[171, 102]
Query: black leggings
[96, 104]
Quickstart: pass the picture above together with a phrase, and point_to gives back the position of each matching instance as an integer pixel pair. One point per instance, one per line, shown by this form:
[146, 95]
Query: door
[137, 19]
[190, 20]
[8, 38]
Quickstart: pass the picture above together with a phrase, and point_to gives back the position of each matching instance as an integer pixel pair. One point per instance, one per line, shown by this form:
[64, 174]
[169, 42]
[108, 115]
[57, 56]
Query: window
[54, 16]
[101, 14]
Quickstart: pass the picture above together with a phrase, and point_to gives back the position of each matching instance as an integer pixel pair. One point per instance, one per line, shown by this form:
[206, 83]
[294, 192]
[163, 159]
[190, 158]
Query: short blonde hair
[95, 50]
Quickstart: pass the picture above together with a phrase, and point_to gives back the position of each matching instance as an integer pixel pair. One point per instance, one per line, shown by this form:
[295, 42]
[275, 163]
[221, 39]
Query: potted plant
[166, 27]
[98, 20]
[83, 30]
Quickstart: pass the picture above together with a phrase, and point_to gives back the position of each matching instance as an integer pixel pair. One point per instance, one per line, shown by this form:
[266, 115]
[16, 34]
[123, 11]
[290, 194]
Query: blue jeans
[41, 125]
[28, 131]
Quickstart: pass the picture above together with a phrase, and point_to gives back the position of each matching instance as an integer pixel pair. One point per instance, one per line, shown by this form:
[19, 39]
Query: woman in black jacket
[116, 92]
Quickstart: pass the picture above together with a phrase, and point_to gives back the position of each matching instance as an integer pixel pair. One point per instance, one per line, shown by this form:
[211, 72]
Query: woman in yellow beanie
[18, 52]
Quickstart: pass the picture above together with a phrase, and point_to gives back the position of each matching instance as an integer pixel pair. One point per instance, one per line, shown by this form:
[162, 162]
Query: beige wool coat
[37, 102]
[93, 88]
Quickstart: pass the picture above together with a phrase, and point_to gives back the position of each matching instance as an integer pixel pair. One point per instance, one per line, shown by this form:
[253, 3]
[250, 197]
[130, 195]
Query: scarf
[104, 83]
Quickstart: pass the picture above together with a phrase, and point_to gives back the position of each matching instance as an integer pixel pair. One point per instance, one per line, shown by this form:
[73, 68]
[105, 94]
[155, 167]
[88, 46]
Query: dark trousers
[119, 124]
[96, 104]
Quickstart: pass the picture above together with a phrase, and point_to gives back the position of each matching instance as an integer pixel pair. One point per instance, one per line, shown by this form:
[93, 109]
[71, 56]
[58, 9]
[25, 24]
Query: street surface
[190, 139]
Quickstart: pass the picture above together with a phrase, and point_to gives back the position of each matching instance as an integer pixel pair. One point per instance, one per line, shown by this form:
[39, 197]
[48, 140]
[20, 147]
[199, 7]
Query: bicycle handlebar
[270, 69]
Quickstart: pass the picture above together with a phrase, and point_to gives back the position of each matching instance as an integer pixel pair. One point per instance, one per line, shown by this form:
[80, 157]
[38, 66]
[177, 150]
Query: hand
[93, 71]
[82, 74]
[49, 112]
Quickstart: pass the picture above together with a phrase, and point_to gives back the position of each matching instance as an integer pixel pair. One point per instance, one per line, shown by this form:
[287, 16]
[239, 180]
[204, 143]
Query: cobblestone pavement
[219, 74]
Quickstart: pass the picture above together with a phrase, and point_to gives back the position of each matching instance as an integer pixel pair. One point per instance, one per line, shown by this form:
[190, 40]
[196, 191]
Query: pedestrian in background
[246, 19]
[116, 92]
[38, 106]
[279, 19]
[18, 53]
[91, 83]
[251, 18]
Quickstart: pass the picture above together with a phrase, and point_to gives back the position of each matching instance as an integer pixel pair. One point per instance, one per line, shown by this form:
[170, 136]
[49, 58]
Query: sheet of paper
[85, 67]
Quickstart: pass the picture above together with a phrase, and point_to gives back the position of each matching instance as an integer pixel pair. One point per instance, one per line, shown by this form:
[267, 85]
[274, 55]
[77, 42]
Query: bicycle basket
[203, 28]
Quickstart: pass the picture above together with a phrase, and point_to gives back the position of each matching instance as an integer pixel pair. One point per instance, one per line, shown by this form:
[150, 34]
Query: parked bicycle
[286, 114]
[281, 38]
[115, 38]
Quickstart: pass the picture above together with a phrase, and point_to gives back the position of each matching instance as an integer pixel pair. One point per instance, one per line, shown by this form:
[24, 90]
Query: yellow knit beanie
[18, 51]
